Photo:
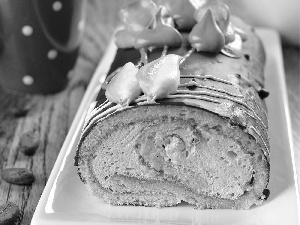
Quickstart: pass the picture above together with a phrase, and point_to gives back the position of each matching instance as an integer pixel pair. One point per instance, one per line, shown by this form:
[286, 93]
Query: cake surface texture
[202, 140]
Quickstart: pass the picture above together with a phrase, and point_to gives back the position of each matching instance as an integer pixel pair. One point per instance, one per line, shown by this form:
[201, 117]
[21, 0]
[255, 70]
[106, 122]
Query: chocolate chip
[238, 75]
[29, 143]
[192, 87]
[19, 176]
[252, 180]
[263, 93]
[9, 214]
[247, 56]
[266, 193]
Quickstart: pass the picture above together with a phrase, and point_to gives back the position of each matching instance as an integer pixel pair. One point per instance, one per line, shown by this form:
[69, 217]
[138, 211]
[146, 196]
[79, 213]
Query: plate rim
[286, 111]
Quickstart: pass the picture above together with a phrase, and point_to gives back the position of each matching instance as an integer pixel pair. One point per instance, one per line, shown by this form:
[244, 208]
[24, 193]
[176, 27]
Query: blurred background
[282, 15]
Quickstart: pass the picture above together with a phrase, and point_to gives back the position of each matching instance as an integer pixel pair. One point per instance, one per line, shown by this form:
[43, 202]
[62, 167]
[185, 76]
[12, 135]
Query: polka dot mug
[39, 42]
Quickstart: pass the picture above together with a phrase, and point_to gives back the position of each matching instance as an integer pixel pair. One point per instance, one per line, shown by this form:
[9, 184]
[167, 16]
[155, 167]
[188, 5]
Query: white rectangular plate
[66, 201]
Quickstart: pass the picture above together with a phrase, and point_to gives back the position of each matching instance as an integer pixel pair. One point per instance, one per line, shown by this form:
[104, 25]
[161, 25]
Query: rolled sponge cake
[206, 145]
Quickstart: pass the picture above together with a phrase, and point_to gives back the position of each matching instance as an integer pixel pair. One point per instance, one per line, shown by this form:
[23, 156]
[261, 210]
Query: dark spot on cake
[232, 155]
[81, 177]
[238, 75]
[192, 87]
[247, 56]
[76, 159]
[164, 118]
[266, 193]
[263, 93]
[251, 181]
[187, 153]
[131, 124]
[259, 158]
[141, 160]
[192, 123]
[194, 141]
[217, 128]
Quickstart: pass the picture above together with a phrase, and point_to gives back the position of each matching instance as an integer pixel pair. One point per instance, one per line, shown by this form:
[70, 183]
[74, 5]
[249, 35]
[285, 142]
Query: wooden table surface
[50, 116]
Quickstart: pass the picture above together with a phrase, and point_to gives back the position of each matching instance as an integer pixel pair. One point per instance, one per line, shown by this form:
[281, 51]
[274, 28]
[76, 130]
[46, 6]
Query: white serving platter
[65, 200]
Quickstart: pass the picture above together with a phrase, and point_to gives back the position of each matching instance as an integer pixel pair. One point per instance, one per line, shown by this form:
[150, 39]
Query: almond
[18, 176]
[9, 214]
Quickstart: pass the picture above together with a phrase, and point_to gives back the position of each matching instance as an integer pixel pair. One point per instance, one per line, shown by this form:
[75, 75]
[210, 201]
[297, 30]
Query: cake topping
[241, 33]
[156, 80]
[214, 32]
[233, 49]
[124, 39]
[160, 78]
[124, 88]
[135, 17]
[206, 34]
[220, 13]
[181, 11]
[229, 34]
[138, 15]
[161, 35]
[149, 26]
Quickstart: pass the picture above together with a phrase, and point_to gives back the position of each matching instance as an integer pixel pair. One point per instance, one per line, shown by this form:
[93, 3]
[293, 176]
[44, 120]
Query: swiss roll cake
[181, 116]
